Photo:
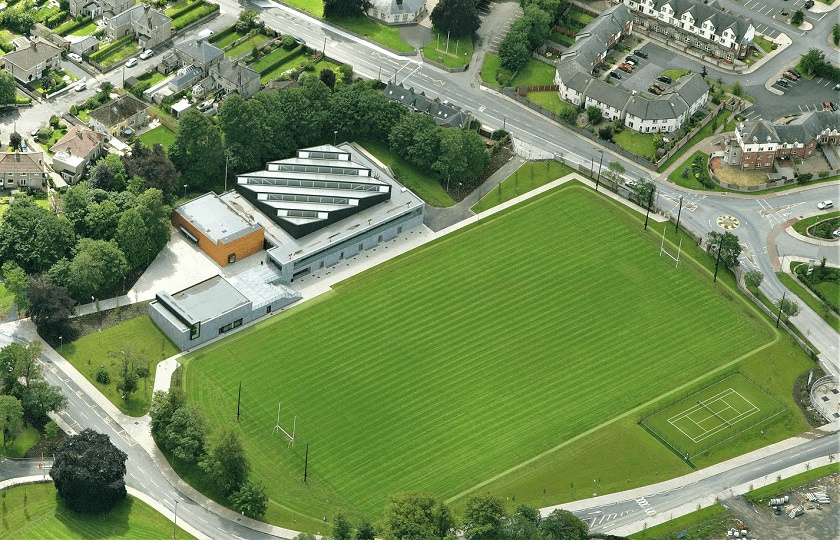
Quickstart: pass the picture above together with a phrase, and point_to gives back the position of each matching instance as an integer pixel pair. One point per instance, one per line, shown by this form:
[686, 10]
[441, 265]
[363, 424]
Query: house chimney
[34, 46]
[17, 156]
[79, 133]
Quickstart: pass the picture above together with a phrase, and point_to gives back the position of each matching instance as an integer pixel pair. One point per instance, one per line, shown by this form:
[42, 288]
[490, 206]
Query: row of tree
[271, 125]
[526, 34]
[24, 394]
[416, 515]
[182, 430]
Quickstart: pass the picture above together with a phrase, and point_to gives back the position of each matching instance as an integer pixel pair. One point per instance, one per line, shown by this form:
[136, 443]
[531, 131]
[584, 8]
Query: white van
[204, 34]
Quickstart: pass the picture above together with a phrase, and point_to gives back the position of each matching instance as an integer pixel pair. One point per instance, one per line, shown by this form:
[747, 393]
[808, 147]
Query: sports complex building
[301, 215]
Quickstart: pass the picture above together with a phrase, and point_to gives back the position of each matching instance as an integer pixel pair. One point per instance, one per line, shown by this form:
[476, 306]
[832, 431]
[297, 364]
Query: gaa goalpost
[278, 427]
[665, 251]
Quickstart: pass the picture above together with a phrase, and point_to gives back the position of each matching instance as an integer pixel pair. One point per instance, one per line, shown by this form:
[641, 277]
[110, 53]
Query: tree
[644, 192]
[327, 76]
[523, 524]
[462, 156]
[835, 34]
[247, 19]
[277, 142]
[18, 362]
[197, 150]
[239, 120]
[606, 133]
[155, 214]
[513, 50]
[50, 306]
[186, 434]
[455, 17]
[703, 72]
[40, 398]
[8, 91]
[787, 306]
[483, 517]
[97, 267]
[89, 472]
[614, 171]
[131, 364]
[365, 531]
[593, 114]
[342, 530]
[359, 110]
[730, 249]
[225, 461]
[109, 174]
[131, 237]
[737, 89]
[812, 60]
[797, 18]
[33, 237]
[251, 500]
[11, 418]
[416, 138]
[164, 405]
[417, 515]
[47, 83]
[153, 166]
[107, 87]
[101, 220]
[658, 140]
[16, 141]
[563, 525]
[17, 282]
[538, 23]
[753, 278]
[345, 8]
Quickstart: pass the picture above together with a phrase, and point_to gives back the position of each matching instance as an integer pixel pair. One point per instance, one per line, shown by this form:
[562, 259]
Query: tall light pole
[335, 137]
[717, 262]
[61, 343]
[649, 202]
[175, 524]
[781, 303]
[601, 162]
[679, 213]
[185, 190]
[226, 170]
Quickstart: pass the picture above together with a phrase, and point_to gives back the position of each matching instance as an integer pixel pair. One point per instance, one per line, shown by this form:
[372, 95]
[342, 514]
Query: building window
[230, 326]
[22, 182]
[195, 330]
[268, 308]
[232, 258]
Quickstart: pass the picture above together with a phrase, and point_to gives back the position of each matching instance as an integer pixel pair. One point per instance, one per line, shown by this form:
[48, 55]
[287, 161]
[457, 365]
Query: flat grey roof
[261, 285]
[288, 248]
[208, 299]
[218, 221]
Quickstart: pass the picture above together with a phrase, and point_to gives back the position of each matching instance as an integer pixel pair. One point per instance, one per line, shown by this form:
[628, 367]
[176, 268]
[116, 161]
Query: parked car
[665, 79]
[148, 53]
[615, 75]
[75, 57]
[836, 234]
[824, 205]
[204, 34]
[630, 183]
[131, 62]
[640, 54]
[837, 86]
[300, 41]
[627, 61]
[632, 59]
[783, 82]
[658, 85]
[795, 72]
[809, 4]
[654, 90]
[81, 86]
[827, 106]
[626, 67]
[789, 75]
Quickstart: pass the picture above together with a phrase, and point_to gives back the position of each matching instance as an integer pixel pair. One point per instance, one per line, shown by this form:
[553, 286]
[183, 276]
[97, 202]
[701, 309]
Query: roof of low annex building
[398, 7]
[215, 219]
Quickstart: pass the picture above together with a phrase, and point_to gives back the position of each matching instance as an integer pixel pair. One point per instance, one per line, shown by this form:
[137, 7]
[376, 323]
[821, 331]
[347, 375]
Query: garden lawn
[465, 358]
[292, 62]
[44, 515]
[707, 130]
[535, 73]
[94, 351]
[315, 7]
[247, 46]
[26, 439]
[675, 74]
[57, 134]
[489, 69]
[765, 44]
[802, 225]
[424, 186]
[373, 30]
[85, 30]
[529, 176]
[809, 299]
[159, 135]
[116, 51]
[274, 56]
[548, 99]
[226, 40]
[640, 144]
[460, 50]
[691, 182]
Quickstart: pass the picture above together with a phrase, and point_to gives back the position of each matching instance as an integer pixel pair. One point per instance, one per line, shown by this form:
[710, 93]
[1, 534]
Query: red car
[789, 75]
[626, 67]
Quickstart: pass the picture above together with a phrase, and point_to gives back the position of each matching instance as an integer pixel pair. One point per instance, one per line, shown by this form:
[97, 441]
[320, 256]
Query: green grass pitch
[712, 415]
[468, 356]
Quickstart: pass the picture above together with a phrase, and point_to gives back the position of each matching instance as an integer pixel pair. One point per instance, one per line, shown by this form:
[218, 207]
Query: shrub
[804, 178]
[103, 377]
[504, 76]
[498, 135]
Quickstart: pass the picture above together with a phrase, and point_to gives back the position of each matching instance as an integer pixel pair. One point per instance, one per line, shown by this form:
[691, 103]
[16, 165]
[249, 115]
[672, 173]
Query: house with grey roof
[29, 63]
[23, 170]
[397, 11]
[199, 53]
[86, 45]
[118, 115]
[759, 143]
[96, 8]
[444, 113]
[576, 84]
[233, 76]
[703, 25]
[148, 26]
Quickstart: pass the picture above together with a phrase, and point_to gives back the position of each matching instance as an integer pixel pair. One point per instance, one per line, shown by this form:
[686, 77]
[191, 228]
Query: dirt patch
[733, 175]
[818, 523]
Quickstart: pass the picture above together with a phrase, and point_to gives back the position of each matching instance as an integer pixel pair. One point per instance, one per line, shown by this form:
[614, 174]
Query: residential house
[645, 114]
[95, 8]
[444, 113]
[118, 115]
[705, 26]
[198, 53]
[759, 143]
[30, 63]
[86, 45]
[397, 11]
[73, 152]
[148, 26]
[232, 76]
[22, 170]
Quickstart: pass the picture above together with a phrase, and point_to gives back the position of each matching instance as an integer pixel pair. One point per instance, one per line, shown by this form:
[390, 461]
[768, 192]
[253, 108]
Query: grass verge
[26, 439]
[534, 73]
[809, 299]
[549, 99]
[161, 135]
[802, 225]
[529, 176]
[459, 53]
[373, 30]
[704, 523]
[640, 144]
[489, 68]
[707, 130]
[795, 481]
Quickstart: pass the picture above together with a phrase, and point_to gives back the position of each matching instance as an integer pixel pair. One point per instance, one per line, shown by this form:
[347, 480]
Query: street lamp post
[650, 202]
[600, 163]
[781, 303]
[185, 190]
[175, 524]
[717, 262]
[61, 343]
[679, 213]
[335, 137]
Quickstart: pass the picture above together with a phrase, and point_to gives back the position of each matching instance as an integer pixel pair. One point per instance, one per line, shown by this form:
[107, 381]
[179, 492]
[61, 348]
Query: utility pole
[779, 316]
[226, 169]
[679, 213]
[650, 202]
[601, 162]
[717, 262]
[175, 523]
[306, 463]
[238, 401]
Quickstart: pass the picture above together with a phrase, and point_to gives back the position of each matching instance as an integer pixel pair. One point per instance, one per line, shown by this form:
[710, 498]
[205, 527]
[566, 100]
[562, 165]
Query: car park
[640, 54]
[824, 205]
[131, 62]
[615, 75]
[75, 57]
[145, 55]
[664, 79]
[626, 67]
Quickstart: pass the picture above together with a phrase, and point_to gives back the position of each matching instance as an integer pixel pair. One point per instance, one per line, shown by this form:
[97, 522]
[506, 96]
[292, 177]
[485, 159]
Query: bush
[504, 76]
[287, 41]
[498, 135]
[103, 377]
[804, 178]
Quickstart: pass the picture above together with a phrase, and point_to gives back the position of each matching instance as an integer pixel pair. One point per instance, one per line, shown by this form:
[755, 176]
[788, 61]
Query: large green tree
[417, 515]
[11, 418]
[8, 92]
[416, 138]
[132, 238]
[483, 517]
[101, 220]
[523, 524]
[40, 398]
[89, 472]
[197, 151]
[277, 141]
[812, 60]
[563, 525]
[456, 17]
[50, 306]
[97, 266]
[225, 461]
[153, 166]
[33, 237]
[360, 111]
[730, 248]
[462, 156]
[155, 214]
[164, 405]
[251, 500]
[345, 8]
[239, 120]
[17, 283]
[186, 434]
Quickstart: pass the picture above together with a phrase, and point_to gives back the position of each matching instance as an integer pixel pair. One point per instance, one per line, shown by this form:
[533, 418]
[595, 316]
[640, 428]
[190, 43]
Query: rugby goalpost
[665, 251]
[278, 427]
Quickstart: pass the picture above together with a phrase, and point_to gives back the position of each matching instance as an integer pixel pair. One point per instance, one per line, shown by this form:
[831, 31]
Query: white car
[630, 183]
[148, 53]
[131, 62]
[75, 57]
[81, 86]
[825, 204]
